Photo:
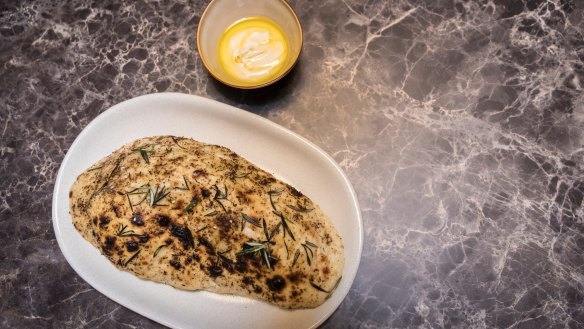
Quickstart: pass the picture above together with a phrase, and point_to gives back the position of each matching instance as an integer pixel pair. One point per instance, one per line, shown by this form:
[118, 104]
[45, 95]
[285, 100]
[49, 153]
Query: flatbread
[199, 216]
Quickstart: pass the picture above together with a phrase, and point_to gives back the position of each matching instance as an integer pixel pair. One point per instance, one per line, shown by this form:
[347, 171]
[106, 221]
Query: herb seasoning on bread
[200, 217]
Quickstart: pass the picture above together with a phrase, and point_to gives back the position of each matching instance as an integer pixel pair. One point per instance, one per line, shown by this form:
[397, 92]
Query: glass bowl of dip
[249, 43]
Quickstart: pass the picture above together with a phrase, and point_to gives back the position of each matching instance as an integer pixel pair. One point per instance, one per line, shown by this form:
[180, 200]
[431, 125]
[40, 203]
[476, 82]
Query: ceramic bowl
[220, 14]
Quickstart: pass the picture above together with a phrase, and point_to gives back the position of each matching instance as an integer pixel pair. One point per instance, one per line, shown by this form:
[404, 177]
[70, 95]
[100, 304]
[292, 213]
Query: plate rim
[232, 109]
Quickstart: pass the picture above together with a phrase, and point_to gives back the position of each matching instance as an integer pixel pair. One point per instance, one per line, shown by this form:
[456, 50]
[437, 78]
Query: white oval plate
[273, 148]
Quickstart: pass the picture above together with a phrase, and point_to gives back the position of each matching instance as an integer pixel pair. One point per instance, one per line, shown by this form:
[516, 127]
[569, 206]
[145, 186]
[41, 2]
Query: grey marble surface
[459, 123]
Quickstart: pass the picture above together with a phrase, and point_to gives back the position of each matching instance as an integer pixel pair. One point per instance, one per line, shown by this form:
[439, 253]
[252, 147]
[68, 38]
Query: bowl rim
[255, 86]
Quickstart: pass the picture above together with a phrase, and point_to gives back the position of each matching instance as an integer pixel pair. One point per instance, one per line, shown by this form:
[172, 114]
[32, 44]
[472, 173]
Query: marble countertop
[459, 123]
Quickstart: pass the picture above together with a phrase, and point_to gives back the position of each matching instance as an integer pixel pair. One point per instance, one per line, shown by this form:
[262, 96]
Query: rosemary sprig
[256, 248]
[249, 219]
[283, 222]
[329, 292]
[158, 250]
[220, 195]
[300, 208]
[132, 258]
[157, 195]
[285, 225]
[251, 248]
[307, 245]
[143, 190]
[123, 231]
[107, 180]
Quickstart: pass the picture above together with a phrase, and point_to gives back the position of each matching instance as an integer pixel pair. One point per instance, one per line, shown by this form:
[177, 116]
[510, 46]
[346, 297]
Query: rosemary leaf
[176, 142]
[287, 251]
[158, 195]
[220, 194]
[300, 209]
[317, 287]
[266, 230]
[272, 201]
[266, 258]
[221, 205]
[144, 196]
[144, 155]
[186, 183]
[249, 219]
[254, 244]
[132, 258]
[152, 193]
[123, 232]
[92, 169]
[275, 230]
[285, 225]
[251, 248]
[310, 244]
[329, 292]
[211, 213]
[308, 257]
[144, 151]
[241, 175]
[254, 248]
[307, 245]
[140, 189]
[191, 205]
[334, 287]
[107, 180]
[295, 259]
[130, 203]
[158, 250]
[275, 192]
